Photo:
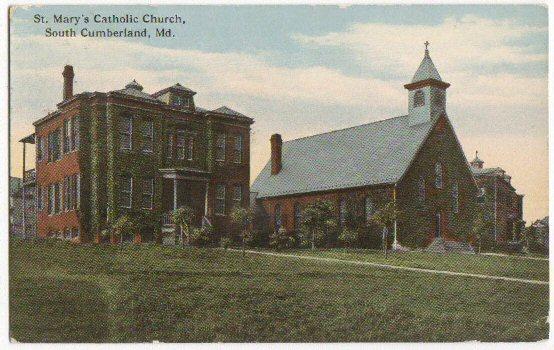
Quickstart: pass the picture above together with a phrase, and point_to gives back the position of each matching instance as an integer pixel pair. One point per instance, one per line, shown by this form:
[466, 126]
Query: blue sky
[300, 70]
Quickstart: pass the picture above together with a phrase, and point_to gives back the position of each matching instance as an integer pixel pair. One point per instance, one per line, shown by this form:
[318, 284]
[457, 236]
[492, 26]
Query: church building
[415, 158]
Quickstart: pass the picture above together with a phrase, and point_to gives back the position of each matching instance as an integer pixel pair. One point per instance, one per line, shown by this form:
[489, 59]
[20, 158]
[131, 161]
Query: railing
[29, 176]
[167, 219]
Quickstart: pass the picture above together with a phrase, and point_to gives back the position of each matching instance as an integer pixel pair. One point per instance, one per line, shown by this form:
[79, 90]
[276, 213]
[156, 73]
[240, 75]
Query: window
[419, 98]
[278, 218]
[438, 175]
[126, 191]
[147, 133]
[147, 193]
[169, 146]
[220, 151]
[66, 194]
[421, 189]
[54, 149]
[77, 185]
[57, 198]
[40, 204]
[238, 149]
[368, 208]
[75, 133]
[180, 144]
[51, 200]
[178, 100]
[190, 148]
[220, 199]
[66, 136]
[237, 196]
[297, 218]
[342, 212]
[39, 149]
[455, 201]
[126, 132]
[481, 195]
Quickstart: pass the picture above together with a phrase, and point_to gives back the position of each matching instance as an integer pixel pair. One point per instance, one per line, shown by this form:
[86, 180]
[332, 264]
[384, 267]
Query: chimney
[276, 147]
[68, 82]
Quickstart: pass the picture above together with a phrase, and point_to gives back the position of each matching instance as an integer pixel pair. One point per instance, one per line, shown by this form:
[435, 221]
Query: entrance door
[438, 225]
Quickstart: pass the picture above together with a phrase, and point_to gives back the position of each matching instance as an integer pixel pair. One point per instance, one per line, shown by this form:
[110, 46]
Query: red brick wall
[54, 172]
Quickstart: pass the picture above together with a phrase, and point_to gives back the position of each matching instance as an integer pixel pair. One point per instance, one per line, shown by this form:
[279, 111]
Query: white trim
[130, 133]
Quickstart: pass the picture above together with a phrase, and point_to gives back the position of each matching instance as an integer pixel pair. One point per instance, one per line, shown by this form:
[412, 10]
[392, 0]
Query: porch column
[206, 199]
[23, 194]
[174, 193]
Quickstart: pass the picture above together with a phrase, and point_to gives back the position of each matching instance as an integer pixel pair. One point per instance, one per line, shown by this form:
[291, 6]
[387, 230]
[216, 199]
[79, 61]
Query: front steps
[439, 245]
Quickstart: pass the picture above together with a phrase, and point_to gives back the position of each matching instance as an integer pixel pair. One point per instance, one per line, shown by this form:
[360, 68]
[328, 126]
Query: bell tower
[426, 92]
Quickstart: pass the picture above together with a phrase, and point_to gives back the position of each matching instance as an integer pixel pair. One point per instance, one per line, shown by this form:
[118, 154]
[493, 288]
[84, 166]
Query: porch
[185, 187]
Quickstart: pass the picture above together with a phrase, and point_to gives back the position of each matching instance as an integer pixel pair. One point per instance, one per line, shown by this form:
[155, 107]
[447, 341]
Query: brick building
[22, 205]
[103, 154]
[499, 200]
[415, 158]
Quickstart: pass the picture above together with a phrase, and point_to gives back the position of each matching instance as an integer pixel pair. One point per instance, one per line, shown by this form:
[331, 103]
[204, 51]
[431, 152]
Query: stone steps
[439, 245]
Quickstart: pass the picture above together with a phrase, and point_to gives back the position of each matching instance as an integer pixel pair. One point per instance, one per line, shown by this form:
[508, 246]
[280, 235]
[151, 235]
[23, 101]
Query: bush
[225, 242]
[370, 237]
[348, 237]
[200, 237]
[281, 239]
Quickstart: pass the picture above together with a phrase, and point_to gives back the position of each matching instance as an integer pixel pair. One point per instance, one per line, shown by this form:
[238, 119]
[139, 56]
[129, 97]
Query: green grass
[140, 293]
[469, 263]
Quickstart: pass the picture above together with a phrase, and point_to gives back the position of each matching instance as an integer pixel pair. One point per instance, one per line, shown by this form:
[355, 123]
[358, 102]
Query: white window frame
[75, 134]
[221, 141]
[128, 133]
[220, 198]
[180, 145]
[147, 136]
[150, 194]
[60, 198]
[66, 136]
[129, 192]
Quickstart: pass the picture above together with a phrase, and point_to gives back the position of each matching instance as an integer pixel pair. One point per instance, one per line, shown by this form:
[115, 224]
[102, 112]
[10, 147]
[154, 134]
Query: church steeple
[427, 92]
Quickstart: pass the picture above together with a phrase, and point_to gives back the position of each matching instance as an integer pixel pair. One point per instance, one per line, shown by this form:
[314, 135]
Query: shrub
[281, 239]
[348, 237]
[200, 237]
[225, 242]
[183, 217]
[318, 223]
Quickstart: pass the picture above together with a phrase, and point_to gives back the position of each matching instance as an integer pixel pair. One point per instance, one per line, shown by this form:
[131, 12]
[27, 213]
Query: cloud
[458, 44]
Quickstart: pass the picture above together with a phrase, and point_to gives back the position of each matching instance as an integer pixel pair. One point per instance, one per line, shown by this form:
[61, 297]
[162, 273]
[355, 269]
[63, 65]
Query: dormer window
[419, 98]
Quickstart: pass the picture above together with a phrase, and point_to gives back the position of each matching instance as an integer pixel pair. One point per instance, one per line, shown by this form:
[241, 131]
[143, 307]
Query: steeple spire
[426, 49]
[427, 69]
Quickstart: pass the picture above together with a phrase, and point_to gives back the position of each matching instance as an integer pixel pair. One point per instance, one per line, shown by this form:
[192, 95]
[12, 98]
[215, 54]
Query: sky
[303, 70]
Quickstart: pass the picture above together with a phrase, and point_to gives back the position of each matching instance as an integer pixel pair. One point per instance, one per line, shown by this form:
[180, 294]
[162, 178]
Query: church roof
[426, 70]
[369, 154]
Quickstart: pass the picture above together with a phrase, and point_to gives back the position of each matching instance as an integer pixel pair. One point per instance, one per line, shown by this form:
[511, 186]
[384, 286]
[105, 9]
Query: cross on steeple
[426, 44]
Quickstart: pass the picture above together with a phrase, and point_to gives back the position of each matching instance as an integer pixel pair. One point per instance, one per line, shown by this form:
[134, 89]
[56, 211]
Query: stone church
[415, 158]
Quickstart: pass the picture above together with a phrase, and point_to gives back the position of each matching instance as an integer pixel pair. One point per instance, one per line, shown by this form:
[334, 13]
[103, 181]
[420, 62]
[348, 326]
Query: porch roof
[185, 173]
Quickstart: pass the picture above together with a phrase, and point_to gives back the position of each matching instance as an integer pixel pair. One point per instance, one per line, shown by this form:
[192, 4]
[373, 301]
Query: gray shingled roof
[370, 154]
[135, 89]
[426, 70]
[227, 110]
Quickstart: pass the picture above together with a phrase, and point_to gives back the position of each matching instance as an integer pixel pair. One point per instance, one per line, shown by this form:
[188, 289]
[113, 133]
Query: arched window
[438, 175]
[421, 189]
[455, 201]
[342, 212]
[368, 206]
[419, 98]
[278, 217]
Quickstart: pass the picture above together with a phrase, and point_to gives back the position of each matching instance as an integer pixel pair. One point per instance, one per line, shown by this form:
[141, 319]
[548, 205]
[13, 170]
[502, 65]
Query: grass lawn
[139, 293]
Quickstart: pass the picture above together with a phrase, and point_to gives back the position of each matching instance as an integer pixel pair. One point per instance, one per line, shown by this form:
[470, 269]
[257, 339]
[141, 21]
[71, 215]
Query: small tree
[318, 220]
[384, 218]
[242, 217]
[123, 226]
[183, 218]
[481, 227]
[281, 239]
[349, 237]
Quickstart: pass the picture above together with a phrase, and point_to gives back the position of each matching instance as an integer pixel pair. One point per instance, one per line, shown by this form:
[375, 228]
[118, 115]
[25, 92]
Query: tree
[481, 227]
[349, 237]
[183, 218]
[318, 220]
[242, 217]
[384, 217]
[123, 226]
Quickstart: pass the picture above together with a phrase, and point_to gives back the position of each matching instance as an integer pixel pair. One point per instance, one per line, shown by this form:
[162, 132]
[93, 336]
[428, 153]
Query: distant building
[415, 159]
[541, 228]
[23, 222]
[501, 204]
[101, 155]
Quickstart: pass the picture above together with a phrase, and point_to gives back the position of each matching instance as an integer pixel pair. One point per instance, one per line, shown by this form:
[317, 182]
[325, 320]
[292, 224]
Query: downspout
[395, 242]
